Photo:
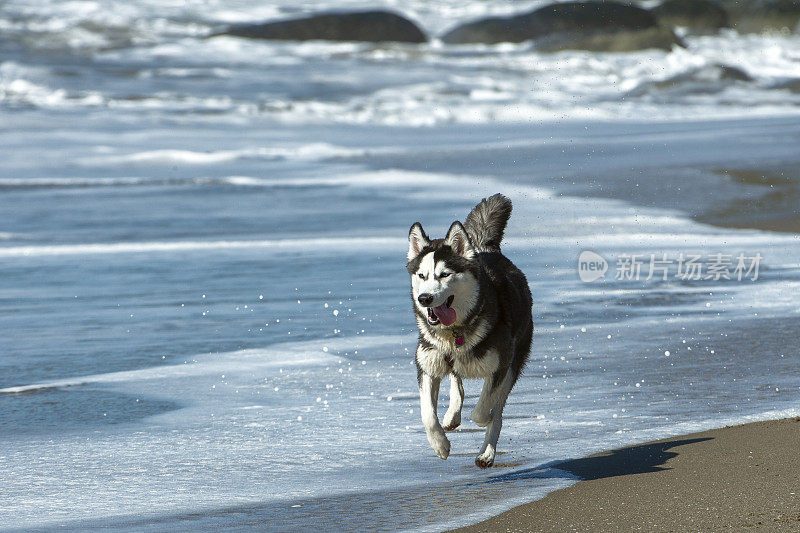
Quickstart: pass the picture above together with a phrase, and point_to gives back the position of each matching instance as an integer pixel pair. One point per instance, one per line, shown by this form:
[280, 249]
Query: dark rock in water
[697, 15]
[710, 79]
[763, 6]
[369, 26]
[761, 15]
[727, 72]
[791, 85]
[786, 7]
[620, 41]
[600, 26]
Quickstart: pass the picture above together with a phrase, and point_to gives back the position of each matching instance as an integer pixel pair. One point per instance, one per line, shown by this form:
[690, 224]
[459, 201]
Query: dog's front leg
[452, 418]
[428, 398]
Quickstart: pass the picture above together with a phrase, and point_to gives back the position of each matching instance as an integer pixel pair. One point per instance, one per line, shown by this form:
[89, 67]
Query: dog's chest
[467, 365]
[456, 350]
[443, 359]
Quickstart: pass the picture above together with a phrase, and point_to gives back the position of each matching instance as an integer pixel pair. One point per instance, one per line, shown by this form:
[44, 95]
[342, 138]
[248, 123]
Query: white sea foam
[54, 182]
[193, 246]
[314, 151]
[256, 360]
[452, 185]
[625, 242]
[427, 183]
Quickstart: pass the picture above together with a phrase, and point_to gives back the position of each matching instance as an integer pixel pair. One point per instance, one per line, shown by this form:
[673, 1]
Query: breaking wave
[725, 75]
[191, 246]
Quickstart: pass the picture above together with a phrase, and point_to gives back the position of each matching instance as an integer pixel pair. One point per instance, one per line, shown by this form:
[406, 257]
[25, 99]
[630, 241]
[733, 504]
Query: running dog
[473, 309]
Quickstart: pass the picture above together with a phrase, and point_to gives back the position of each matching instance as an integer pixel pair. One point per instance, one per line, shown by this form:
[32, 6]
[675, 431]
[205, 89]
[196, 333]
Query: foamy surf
[255, 360]
[517, 84]
[193, 246]
[315, 151]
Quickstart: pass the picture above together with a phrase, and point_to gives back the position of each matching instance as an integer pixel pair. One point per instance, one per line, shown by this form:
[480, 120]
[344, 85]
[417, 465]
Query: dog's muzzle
[442, 314]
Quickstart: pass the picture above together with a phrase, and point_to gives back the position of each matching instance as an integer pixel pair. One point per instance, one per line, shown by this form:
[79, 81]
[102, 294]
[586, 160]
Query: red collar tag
[459, 340]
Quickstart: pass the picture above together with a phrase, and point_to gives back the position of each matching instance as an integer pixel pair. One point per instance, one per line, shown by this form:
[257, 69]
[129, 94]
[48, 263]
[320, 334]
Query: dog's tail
[487, 222]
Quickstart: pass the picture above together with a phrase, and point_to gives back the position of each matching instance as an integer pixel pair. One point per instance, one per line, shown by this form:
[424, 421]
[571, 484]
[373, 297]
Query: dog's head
[444, 282]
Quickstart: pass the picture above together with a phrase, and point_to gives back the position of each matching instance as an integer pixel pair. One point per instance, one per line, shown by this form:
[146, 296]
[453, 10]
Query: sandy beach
[736, 478]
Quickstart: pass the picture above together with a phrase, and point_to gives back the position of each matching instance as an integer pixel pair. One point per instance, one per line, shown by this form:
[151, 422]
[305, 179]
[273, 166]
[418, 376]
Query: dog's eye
[421, 276]
[444, 275]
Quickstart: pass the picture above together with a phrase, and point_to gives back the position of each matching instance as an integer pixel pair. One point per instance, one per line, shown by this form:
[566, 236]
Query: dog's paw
[481, 418]
[440, 444]
[451, 420]
[486, 459]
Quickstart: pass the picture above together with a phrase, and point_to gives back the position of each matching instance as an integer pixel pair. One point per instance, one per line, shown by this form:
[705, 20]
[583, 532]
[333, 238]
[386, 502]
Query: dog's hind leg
[428, 399]
[452, 418]
[482, 413]
[485, 457]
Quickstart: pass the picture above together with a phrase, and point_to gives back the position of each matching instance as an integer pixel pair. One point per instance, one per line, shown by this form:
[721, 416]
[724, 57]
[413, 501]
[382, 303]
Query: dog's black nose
[425, 298]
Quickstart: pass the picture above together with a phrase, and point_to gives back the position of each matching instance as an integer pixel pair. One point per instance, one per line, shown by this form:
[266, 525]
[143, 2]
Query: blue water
[204, 314]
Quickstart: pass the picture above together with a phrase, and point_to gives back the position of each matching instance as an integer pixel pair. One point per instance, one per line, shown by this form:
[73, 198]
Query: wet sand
[737, 478]
[768, 200]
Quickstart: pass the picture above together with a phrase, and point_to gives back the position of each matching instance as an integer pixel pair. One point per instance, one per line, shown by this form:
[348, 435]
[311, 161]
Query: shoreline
[705, 180]
[736, 477]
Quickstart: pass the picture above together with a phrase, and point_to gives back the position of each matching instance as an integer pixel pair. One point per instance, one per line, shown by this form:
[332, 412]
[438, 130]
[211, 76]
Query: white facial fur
[461, 285]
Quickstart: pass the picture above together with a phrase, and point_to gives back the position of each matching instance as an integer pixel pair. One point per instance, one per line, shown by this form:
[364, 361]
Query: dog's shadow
[623, 462]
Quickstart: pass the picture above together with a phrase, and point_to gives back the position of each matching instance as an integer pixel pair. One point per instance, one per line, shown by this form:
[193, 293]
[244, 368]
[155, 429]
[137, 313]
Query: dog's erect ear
[458, 240]
[417, 240]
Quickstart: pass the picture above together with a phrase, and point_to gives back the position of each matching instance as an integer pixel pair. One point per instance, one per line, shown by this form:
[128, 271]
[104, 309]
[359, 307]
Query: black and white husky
[473, 309]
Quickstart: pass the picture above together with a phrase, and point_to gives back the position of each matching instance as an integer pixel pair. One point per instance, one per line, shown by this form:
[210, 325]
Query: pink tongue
[446, 315]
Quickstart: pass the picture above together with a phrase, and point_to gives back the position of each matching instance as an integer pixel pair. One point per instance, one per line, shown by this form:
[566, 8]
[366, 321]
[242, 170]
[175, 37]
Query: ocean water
[204, 310]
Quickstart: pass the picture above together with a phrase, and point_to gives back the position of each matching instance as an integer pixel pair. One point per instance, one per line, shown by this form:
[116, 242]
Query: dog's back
[514, 303]
[485, 226]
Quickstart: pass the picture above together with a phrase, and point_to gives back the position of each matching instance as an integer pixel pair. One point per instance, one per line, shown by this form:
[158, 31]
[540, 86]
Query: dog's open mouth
[443, 314]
